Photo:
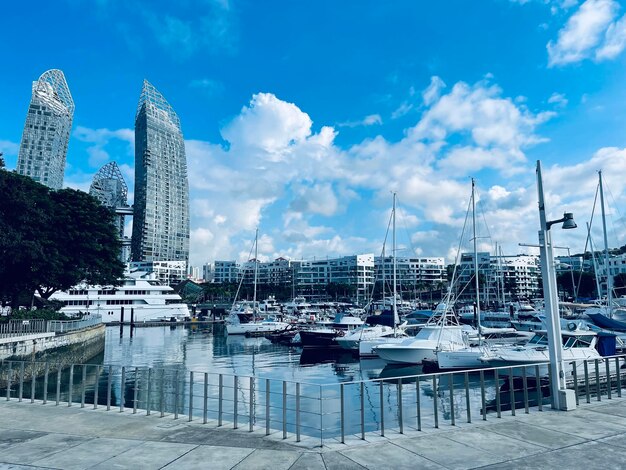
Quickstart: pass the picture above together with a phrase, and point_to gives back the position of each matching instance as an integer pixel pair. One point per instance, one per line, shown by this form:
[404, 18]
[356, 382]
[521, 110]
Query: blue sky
[302, 117]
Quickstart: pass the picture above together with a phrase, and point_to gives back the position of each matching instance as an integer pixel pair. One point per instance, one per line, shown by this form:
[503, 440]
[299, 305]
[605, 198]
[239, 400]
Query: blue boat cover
[605, 322]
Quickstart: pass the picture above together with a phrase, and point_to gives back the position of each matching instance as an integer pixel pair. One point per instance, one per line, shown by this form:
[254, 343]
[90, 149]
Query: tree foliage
[52, 240]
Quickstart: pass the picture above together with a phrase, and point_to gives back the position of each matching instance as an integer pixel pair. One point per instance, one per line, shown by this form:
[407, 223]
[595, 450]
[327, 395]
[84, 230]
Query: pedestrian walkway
[33, 435]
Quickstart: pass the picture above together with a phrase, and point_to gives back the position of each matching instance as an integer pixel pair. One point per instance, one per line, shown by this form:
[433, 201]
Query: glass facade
[161, 207]
[109, 188]
[46, 135]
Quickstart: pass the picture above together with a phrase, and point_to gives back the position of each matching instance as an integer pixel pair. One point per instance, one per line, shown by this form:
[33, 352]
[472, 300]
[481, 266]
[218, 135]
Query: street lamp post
[560, 398]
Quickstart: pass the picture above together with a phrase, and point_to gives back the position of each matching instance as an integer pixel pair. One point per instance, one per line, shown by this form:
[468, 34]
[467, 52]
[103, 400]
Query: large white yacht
[149, 300]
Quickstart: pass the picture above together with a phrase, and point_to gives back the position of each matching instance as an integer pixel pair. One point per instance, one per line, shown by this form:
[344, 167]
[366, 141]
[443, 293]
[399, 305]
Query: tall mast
[256, 266]
[475, 259]
[609, 278]
[395, 308]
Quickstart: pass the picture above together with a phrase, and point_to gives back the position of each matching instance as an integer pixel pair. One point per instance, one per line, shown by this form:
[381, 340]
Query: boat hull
[255, 328]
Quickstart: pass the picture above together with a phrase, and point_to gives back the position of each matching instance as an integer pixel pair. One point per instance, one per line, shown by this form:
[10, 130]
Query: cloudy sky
[302, 118]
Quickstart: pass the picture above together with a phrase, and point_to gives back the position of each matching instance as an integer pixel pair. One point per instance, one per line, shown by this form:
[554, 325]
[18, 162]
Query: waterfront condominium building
[43, 149]
[161, 207]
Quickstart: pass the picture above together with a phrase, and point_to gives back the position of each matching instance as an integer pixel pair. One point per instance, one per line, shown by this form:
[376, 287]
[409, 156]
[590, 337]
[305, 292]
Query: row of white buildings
[501, 278]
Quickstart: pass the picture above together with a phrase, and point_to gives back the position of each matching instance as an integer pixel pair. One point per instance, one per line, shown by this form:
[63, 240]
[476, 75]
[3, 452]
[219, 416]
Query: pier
[62, 437]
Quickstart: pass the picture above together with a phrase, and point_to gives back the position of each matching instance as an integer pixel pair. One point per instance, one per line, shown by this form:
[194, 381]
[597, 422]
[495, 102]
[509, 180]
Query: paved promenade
[48, 436]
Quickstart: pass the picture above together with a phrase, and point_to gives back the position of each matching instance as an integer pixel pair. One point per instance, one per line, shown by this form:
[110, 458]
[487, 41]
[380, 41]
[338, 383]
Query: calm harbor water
[208, 349]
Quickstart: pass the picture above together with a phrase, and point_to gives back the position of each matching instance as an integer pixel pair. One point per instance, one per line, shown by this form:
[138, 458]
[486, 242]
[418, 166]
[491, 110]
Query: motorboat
[470, 356]
[352, 340]
[326, 333]
[579, 344]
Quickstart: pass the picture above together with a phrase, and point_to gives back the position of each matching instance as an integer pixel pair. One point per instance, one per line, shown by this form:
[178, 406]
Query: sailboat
[608, 308]
[245, 318]
[364, 338]
[488, 339]
[441, 332]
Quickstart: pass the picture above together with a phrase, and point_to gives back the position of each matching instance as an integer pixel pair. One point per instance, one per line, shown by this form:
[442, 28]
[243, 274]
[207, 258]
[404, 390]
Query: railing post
[205, 404]
[539, 391]
[362, 409]
[575, 378]
[512, 392]
[251, 410]
[525, 385]
[32, 384]
[482, 395]
[162, 393]
[176, 393]
[70, 392]
[83, 386]
[297, 412]
[342, 413]
[135, 390]
[597, 364]
[608, 378]
[435, 397]
[109, 384]
[418, 404]
[451, 388]
[267, 407]
[235, 401]
[400, 406]
[58, 390]
[190, 395]
[123, 389]
[21, 389]
[496, 380]
[220, 394]
[587, 392]
[96, 388]
[321, 419]
[382, 409]
[9, 380]
[148, 391]
[467, 398]
[45, 383]
[618, 378]
[284, 410]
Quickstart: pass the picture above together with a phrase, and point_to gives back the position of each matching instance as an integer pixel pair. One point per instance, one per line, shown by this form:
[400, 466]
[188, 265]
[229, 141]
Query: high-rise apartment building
[46, 135]
[161, 206]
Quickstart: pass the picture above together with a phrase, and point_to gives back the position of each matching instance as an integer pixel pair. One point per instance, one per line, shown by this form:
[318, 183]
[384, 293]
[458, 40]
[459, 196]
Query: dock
[34, 435]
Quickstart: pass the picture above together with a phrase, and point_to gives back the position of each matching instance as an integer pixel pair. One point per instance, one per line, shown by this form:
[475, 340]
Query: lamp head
[568, 221]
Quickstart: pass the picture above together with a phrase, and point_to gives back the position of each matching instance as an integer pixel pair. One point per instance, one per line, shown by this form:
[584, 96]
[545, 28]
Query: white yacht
[140, 294]
[578, 345]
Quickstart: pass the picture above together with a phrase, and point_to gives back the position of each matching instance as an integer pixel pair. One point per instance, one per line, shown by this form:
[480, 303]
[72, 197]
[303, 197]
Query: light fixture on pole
[561, 399]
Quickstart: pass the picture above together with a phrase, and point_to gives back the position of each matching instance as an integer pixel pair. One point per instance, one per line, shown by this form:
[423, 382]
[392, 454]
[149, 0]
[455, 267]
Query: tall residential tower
[161, 207]
[43, 149]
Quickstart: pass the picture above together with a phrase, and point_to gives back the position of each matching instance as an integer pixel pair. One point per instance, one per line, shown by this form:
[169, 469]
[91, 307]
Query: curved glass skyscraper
[43, 149]
[161, 207]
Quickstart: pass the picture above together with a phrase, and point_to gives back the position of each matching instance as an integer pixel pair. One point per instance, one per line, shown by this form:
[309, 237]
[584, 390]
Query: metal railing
[64, 326]
[14, 328]
[319, 413]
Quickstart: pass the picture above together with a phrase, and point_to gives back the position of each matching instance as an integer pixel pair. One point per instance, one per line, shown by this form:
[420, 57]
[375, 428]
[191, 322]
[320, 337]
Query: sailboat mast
[395, 307]
[256, 267]
[475, 259]
[609, 278]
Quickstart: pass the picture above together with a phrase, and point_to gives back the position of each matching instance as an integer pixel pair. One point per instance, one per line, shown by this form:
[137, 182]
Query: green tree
[52, 240]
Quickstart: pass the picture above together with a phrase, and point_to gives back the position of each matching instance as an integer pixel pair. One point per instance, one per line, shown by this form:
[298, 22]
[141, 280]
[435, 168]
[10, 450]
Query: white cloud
[615, 41]
[101, 139]
[370, 120]
[433, 91]
[584, 31]
[558, 99]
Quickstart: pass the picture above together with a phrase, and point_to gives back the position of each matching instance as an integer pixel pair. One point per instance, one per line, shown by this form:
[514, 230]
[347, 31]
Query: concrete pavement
[33, 435]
